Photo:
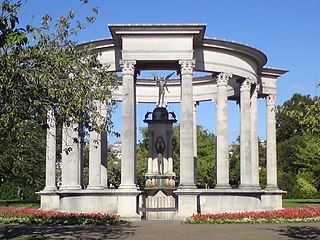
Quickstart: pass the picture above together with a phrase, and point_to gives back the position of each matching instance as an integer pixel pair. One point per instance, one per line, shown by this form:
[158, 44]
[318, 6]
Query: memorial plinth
[160, 145]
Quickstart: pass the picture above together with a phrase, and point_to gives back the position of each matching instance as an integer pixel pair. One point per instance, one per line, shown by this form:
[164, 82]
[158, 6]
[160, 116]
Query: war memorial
[231, 72]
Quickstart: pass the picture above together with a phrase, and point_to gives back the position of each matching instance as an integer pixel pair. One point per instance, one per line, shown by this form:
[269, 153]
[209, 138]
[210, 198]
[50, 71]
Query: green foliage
[305, 183]
[298, 151]
[206, 160]
[234, 165]
[299, 167]
[142, 162]
[44, 69]
[287, 123]
[114, 169]
[22, 162]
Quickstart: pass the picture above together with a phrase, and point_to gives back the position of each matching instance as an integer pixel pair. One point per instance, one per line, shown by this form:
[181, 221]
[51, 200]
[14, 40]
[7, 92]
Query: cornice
[255, 54]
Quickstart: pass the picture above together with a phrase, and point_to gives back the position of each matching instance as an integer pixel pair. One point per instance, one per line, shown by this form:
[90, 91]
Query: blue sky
[286, 31]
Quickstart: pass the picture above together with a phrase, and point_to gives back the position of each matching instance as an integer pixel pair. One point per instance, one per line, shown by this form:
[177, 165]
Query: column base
[256, 187]
[187, 186]
[78, 187]
[95, 187]
[247, 187]
[271, 187]
[223, 186]
[128, 187]
[50, 189]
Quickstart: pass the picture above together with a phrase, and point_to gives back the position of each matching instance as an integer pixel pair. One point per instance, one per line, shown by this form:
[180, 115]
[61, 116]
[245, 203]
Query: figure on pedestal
[160, 147]
[162, 84]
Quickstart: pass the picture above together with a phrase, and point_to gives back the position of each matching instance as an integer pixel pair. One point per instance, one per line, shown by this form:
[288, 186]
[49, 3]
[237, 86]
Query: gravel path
[170, 230]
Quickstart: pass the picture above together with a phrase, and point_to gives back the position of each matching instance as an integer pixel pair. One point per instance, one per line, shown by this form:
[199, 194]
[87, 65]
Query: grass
[21, 203]
[293, 203]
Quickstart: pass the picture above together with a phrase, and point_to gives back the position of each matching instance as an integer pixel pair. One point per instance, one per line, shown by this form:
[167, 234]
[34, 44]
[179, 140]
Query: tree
[234, 164]
[288, 125]
[114, 169]
[299, 166]
[298, 151]
[43, 69]
[206, 160]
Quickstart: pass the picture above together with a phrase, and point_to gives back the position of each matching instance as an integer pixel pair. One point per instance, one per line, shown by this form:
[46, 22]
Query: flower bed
[301, 214]
[29, 215]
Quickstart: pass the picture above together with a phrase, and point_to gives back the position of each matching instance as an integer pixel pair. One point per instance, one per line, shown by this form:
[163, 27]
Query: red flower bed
[301, 214]
[30, 215]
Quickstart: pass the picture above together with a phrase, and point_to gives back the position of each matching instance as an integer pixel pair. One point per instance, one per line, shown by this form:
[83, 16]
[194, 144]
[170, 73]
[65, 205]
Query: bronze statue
[160, 147]
[162, 84]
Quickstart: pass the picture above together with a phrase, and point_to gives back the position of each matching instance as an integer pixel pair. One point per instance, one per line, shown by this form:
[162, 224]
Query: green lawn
[292, 203]
[21, 203]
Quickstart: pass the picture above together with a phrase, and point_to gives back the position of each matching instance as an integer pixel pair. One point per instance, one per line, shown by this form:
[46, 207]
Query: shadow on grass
[300, 232]
[31, 231]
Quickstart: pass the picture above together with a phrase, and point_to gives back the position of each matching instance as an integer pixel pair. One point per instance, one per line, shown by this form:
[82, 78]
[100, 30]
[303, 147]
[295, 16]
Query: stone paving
[152, 230]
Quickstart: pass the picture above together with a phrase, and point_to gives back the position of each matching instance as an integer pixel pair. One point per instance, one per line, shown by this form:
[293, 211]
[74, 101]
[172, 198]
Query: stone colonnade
[128, 190]
[71, 157]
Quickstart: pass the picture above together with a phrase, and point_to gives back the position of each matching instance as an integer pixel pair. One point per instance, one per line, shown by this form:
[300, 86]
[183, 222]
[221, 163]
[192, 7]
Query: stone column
[271, 143]
[254, 139]
[71, 159]
[245, 135]
[129, 158]
[51, 153]
[104, 149]
[222, 131]
[95, 156]
[104, 159]
[186, 125]
[195, 105]
[195, 143]
[127, 192]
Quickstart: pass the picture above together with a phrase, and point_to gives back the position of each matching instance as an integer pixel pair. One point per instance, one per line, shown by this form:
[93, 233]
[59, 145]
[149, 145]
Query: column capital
[255, 92]
[187, 66]
[223, 78]
[246, 85]
[128, 66]
[257, 88]
[271, 100]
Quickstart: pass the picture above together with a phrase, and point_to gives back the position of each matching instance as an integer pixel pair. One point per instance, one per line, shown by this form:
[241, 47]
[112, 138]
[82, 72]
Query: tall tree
[298, 152]
[42, 69]
[206, 159]
[287, 124]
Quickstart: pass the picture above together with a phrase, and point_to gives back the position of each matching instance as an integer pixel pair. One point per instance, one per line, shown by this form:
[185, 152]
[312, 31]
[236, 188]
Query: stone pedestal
[128, 204]
[160, 145]
[158, 204]
[187, 203]
[49, 200]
